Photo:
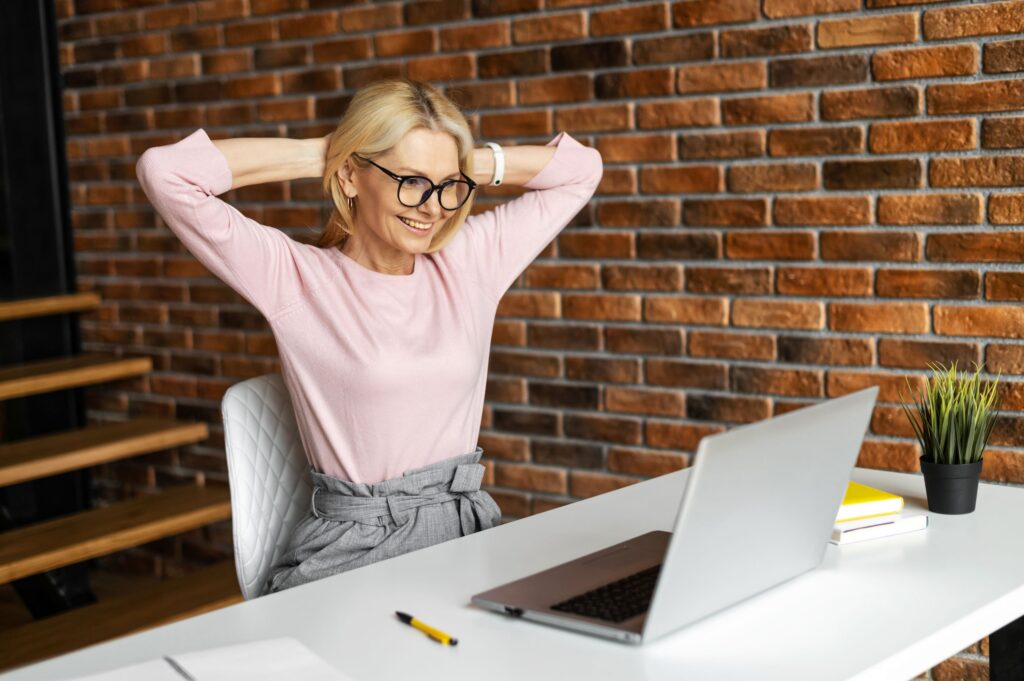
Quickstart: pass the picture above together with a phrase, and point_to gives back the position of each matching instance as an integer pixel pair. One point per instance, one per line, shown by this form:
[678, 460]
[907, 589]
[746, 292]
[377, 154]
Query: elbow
[596, 168]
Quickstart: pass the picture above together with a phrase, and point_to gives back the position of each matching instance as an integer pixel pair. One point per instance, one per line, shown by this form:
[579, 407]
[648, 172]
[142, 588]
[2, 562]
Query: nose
[432, 206]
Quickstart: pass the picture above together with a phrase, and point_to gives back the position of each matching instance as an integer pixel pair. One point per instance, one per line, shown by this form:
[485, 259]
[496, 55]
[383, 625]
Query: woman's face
[380, 216]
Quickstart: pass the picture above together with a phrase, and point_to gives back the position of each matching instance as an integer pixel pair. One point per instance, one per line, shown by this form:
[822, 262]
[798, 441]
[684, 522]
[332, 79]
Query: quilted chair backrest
[268, 475]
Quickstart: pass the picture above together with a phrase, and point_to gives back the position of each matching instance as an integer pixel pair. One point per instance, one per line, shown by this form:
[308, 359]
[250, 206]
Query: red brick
[1006, 209]
[434, 12]
[674, 49]
[646, 402]
[893, 456]
[555, 89]
[642, 277]
[529, 477]
[677, 113]
[816, 141]
[739, 144]
[678, 179]
[635, 83]
[882, 29]
[404, 42]
[637, 19]
[778, 177]
[522, 62]
[585, 484]
[728, 408]
[890, 386]
[871, 246]
[476, 36]
[677, 435]
[767, 313]
[777, 9]
[598, 306]
[942, 135]
[726, 212]
[516, 123]
[825, 210]
[644, 341]
[602, 370]
[1004, 57]
[888, 102]
[787, 108]
[834, 351]
[686, 310]
[770, 245]
[643, 462]
[726, 345]
[1008, 286]
[1004, 321]
[483, 95]
[614, 117]
[788, 382]
[623, 148]
[549, 28]
[589, 245]
[523, 304]
[989, 95]
[920, 354]
[892, 283]
[540, 275]
[765, 41]
[685, 374]
[872, 174]
[620, 430]
[930, 209]
[1002, 133]
[727, 77]
[663, 213]
[808, 72]
[977, 171]
[985, 19]
[709, 12]
[446, 68]
[879, 317]
[1008, 359]
[977, 247]
[740, 280]
[824, 281]
[925, 62]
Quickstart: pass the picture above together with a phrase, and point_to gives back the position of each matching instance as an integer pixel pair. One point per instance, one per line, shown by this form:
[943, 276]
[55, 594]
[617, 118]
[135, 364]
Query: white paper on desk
[277, 659]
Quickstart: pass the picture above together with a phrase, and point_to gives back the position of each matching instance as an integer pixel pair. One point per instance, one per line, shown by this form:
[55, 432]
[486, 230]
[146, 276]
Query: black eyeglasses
[415, 190]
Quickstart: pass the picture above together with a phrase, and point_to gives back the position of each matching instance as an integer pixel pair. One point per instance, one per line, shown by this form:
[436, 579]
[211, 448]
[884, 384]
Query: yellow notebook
[862, 501]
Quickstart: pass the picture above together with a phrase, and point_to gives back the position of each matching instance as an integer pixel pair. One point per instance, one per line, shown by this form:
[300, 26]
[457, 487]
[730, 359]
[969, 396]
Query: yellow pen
[430, 631]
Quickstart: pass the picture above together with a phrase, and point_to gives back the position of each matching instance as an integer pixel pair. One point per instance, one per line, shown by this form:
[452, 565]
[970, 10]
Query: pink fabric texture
[386, 372]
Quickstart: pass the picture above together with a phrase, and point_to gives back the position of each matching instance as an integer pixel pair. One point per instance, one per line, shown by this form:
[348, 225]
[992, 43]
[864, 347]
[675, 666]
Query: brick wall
[801, 198]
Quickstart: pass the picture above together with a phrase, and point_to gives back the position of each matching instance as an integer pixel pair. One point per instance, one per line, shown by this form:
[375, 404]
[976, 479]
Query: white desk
[886, 609]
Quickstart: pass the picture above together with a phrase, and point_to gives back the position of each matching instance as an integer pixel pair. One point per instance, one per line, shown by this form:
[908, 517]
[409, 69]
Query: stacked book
[869, 513]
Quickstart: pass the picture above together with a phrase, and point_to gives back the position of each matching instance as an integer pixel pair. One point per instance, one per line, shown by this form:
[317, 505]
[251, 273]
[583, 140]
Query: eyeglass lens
[414, 191]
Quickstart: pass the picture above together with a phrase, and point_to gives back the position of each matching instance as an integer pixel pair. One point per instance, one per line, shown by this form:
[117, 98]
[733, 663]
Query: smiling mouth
[418, 226]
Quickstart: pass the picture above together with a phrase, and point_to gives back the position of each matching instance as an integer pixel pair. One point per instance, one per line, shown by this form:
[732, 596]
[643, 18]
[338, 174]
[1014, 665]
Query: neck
[378, 256]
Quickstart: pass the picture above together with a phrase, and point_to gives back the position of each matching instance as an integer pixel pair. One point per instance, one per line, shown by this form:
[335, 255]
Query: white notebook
[852, 531]
[277, 659]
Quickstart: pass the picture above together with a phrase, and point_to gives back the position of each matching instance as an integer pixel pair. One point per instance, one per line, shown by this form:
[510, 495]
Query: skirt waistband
[456, 479]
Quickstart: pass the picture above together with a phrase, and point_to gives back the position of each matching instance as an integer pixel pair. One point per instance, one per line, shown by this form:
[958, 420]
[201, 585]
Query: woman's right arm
[257, 160]
[183, 180]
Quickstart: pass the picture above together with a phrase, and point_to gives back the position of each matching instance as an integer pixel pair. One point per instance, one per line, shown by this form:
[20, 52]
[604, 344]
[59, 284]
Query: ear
[346, 179]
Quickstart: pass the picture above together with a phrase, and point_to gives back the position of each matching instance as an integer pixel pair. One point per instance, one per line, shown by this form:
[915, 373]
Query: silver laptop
[764, 495]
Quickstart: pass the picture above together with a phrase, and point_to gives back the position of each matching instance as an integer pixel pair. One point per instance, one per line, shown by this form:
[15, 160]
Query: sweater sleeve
[496, 246]
[182, 181]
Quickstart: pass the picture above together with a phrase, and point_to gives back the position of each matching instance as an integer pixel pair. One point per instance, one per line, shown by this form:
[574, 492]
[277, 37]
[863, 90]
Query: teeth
[415, 225]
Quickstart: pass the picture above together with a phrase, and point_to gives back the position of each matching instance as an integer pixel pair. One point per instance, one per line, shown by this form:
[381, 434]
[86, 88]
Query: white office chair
[268, 475]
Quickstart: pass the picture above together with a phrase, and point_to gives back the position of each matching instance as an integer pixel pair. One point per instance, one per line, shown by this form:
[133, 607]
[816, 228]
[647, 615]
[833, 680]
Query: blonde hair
[377, 118]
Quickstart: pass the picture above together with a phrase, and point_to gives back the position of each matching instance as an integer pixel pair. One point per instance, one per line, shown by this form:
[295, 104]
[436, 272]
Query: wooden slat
[43, 376]
[39, 457]
[39, 307]
[192, 594]
[77, 537]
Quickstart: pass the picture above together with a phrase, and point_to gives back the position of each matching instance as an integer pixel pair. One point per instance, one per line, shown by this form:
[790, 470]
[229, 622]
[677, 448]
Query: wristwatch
[499, 163]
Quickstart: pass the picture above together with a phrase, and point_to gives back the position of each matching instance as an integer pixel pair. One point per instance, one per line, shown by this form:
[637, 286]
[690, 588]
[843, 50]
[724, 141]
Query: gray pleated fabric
[354, 524]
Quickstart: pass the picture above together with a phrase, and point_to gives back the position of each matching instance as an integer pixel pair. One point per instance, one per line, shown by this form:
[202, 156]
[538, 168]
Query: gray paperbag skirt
[354, 524]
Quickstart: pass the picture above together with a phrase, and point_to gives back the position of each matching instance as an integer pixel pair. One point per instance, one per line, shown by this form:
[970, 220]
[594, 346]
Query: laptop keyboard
[617, 601]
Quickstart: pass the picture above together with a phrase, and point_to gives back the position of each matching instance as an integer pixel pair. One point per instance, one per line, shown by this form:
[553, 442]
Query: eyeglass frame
[434, 188]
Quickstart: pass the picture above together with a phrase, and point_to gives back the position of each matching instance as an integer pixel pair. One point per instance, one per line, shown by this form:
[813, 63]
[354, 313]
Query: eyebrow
[420, 172]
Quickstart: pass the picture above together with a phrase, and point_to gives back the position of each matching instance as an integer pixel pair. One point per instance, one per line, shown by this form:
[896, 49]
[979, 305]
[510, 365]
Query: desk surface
[884, 609]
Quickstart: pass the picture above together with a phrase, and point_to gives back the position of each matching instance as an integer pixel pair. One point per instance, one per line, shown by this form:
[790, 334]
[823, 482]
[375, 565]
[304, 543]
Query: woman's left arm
[522, 163]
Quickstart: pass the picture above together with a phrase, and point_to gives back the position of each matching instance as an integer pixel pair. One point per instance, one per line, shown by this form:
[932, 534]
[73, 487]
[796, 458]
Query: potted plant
[953, 420]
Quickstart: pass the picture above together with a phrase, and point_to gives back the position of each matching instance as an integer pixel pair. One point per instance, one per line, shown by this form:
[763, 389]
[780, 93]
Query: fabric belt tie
[464, 488]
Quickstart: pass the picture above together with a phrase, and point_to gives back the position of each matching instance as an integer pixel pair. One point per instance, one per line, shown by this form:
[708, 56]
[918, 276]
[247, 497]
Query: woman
[383, 326]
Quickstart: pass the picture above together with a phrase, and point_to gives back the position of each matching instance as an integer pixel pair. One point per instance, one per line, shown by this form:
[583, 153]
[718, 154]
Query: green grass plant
[954, 415]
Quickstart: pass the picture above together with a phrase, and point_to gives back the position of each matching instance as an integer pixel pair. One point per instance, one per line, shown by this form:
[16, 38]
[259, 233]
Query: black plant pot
[952, 488]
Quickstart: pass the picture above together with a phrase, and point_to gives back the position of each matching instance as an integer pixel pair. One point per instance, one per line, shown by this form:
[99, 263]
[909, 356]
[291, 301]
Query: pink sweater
[386, 372]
